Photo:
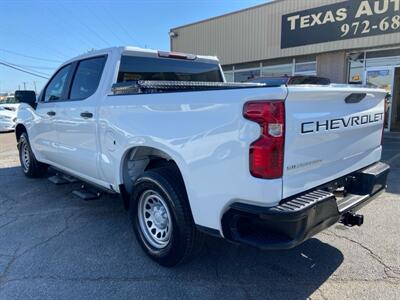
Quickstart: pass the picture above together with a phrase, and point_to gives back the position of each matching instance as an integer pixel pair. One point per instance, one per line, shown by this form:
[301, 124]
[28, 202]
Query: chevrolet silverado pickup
[190, 154]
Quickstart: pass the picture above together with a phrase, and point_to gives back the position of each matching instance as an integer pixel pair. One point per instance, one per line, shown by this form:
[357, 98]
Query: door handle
[51, 113]
[86, 115]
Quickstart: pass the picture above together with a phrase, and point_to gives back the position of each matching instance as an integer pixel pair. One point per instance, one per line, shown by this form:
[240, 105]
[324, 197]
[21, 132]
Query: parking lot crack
[8, 223]
[17, 255]
[6, 212]
[320, 293]
[397, 156]
[392, 281]
[65, 228]
[8, 266]
[389, 272]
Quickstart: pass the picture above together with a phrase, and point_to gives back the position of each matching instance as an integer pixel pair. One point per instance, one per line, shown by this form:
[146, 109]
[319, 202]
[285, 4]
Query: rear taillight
[267, 153]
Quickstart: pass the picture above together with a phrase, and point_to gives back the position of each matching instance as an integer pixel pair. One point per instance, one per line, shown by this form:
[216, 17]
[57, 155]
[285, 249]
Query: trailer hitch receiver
[351, 219]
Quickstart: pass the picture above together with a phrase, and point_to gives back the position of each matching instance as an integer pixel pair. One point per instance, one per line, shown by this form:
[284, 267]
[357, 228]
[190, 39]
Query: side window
[56, 87]
[87, 78]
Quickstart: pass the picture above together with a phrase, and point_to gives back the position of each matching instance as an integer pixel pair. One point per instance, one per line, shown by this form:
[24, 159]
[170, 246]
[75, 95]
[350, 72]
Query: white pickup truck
[267, 166]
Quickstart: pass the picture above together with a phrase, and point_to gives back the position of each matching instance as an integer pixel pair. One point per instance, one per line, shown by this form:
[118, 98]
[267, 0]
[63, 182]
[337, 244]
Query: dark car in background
[292, 80]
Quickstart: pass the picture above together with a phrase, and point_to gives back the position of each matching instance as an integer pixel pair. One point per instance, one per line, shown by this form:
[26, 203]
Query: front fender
[25, 116]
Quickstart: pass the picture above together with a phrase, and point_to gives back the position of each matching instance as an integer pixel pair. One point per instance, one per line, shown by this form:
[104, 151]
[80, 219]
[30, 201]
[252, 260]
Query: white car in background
[8, 116]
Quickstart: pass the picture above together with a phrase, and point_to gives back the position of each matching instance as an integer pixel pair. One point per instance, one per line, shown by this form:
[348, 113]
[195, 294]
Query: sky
[39, 35]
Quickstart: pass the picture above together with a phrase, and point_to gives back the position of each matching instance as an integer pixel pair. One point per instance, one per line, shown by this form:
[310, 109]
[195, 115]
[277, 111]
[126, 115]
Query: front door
[382, 78]
[43, 135]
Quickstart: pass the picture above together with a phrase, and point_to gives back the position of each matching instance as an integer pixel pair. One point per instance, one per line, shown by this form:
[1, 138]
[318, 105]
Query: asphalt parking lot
[54, 245]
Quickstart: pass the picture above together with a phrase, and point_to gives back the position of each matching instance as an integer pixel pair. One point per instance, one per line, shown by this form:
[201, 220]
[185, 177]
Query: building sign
[340, 21]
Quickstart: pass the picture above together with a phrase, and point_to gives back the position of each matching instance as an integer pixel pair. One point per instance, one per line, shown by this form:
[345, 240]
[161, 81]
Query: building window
[229, 76]
[362, 61]
[227, 68]
[356, 68]
[246, 75]
[306, 68]
[383, 58]
[277, 70]
[306, 65]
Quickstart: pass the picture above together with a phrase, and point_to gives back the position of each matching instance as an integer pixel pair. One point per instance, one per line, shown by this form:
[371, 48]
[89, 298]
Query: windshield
[134, 68]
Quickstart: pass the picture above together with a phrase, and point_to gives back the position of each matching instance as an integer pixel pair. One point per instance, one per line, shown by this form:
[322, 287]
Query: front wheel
[162, 218]
[30, 166]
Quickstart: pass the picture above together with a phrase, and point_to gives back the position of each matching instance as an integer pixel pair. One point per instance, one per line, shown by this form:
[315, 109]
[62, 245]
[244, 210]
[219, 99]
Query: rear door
[330, 132]
[76, 123]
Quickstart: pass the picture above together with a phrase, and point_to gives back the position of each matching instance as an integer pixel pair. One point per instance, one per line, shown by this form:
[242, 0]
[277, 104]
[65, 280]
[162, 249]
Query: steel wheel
[154, 219]
[25, 156]
[161, 217]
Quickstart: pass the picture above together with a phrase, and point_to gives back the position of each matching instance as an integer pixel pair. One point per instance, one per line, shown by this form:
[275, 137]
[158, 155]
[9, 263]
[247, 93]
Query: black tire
[30, 166]
[184, 240]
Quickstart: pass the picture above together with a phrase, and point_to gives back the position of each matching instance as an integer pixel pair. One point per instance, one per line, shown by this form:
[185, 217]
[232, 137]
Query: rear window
[134, 68]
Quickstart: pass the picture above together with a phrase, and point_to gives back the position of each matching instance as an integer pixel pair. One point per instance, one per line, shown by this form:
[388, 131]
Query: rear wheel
[154, 219]
[162, 219]
[30, 166]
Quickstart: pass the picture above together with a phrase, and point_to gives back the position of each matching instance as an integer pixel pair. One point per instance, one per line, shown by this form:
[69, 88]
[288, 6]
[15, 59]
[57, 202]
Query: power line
[86, 39]
[35, 41]
[37, 67]
[94, 32]
[24, 67]
[115, 21]
[28, 56]
[22, 70]
[106, 25]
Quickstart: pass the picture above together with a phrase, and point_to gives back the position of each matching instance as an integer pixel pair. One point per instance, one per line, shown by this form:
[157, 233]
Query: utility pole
[34, 85]
[19, 87]
[24, 85]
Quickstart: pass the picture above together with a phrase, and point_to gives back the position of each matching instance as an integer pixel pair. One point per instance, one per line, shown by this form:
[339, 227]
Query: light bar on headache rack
[153, 86]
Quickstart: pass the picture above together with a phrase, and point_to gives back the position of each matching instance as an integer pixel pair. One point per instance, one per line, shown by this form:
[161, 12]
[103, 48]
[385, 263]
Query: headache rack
[153, 86]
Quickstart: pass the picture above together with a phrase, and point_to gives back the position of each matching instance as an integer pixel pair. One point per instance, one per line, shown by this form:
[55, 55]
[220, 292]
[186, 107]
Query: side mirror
[28, 97]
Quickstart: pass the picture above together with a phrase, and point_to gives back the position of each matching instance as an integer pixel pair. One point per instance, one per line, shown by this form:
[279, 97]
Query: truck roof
[134, 50]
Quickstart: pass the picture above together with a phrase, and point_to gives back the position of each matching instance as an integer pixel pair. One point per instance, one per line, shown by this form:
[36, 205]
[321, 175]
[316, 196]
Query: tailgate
[330, 132]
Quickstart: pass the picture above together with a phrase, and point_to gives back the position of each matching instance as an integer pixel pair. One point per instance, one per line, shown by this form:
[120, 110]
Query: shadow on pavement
[293, 274]
[58, 238]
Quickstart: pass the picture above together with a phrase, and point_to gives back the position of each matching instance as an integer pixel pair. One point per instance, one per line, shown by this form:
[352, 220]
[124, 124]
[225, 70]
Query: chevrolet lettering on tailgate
[335, 124]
